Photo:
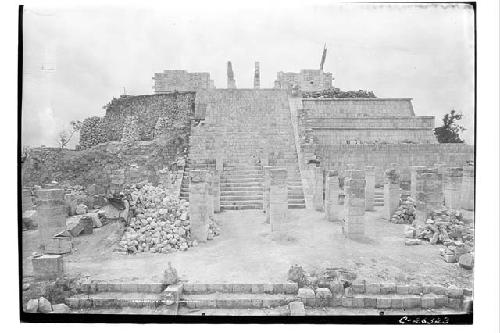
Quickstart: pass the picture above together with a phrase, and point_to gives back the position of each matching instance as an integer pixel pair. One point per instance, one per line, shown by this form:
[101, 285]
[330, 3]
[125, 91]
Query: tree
[450, 131]
[64, 136]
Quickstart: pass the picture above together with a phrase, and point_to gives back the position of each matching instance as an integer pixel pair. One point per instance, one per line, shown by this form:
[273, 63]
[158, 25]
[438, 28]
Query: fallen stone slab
[59, 245]
[60, 308]
[466, 261]
[44, 305]
[32, 306]
[96, 221]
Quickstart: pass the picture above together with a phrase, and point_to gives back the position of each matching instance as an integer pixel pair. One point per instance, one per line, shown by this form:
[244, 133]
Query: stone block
[397, 302]
[373, 288]
[48, 267]
[243, 288]
[467, 305]
[297, 309]
[428, 302]
[307, 296]
[358, 301]
[257, 288]
[415, 290]
[58, 245]
[454, 292]
[358, 287]
[438, 290]
[268, 288]
[336, 301]
[383, 302]
[199, 288]
[337, 288]
[402, 290]
[467, 292]
[347, 302]
[323, 296]
[370, 302]
[441, 300]
[173, 292]
[411, 302]
[387, 288]
[290, 288]
[455, 303]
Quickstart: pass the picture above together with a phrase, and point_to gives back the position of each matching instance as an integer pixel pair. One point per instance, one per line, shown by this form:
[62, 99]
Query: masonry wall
[174, 109]
[358, 107]
[181, 80]
[336, 157]
[141, 161]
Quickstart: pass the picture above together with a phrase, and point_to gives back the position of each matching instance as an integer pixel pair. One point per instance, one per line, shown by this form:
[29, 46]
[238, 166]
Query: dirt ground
[246, 252]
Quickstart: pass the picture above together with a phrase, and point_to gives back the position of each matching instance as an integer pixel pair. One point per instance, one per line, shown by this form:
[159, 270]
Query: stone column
[216, 190]
[370, 188]
[198, 205]
[467, 197]
[210, 195]
[219, 163]
[392, 192]
[453, 187]
[332, 191]
[429, 192]
[278, 199]
[318, 189]
[413, 180]
[354, 225]
[26, 200]
[441, 168]
[266, 193]
[51, 214]
[117, 179]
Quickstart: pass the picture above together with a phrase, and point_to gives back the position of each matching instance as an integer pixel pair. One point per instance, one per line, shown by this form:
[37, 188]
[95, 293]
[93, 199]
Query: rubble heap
[446, 227]
[406, 212]
[160, 222]
[92, 132]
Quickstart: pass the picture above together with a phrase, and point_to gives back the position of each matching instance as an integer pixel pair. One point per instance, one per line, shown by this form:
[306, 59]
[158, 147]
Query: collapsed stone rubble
[406, 213]
[160, 222]
[446, 227]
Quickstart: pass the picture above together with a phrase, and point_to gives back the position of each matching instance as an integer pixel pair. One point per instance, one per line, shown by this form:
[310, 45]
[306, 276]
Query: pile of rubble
[446, 227]
[406, 212]
[337, 93]
[160, 222]
[92, 132]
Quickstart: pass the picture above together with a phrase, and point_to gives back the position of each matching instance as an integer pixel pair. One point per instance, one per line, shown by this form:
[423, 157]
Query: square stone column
[266, 191]
[48, 267]
[392, 192]
[51, 214]
[467, 191]
[318, 189]
[429, 192]
[354, 223]
[413, 180]
[26, 200]
[216, 190]
[278, 199]
[210, 194]
[198, 204]
[453, 187]
[370, 188]
[332, 191]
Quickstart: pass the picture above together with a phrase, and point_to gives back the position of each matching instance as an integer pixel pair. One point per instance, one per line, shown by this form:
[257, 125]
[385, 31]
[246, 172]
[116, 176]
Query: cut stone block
[383, 302]
[48, 267]
[307, 296]
[58, 245]
[397, 302]
[323, 296]
[297, 309]
[402, 290]
[428, 302]
[370, 302]
[373, 288]
[388, 288]
[411, 302]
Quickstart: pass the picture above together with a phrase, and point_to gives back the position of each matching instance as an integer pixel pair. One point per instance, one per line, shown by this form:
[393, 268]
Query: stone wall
[175, 109]
[306, 80]
[181, 80]
[140, 160]
[358, 107]
[336, 157]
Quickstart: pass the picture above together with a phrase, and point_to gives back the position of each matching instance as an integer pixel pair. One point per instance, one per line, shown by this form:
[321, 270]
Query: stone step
[227, 199]
[242, 187]
[235, 301]
[241, 206]
[296, 206]
[296, 201]
[108, 300]
[239, 173]
[241, 180]
[232, 192]
[245, 288]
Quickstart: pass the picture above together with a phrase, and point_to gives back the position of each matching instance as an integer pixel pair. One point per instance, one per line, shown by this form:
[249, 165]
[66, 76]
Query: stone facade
[181, 80]
[306, 80]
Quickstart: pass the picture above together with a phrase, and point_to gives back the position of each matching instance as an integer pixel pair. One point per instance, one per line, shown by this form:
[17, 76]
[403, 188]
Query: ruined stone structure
[231, 83]
[305, 80]
[181, 80]
[256, 78]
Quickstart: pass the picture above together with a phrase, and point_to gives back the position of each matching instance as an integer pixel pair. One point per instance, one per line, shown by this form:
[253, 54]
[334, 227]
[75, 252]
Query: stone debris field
[292, 201]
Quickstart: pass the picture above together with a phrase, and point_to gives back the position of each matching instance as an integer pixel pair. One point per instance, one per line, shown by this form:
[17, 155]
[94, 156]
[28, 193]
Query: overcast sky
[77, 60]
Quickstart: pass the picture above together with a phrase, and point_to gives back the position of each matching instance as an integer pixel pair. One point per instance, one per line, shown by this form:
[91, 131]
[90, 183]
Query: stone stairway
[237, 296]
[241, 187]
[205, 165]
[378, 197]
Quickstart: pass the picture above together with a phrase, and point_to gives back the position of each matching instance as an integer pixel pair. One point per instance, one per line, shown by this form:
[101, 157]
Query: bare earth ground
[247, 252]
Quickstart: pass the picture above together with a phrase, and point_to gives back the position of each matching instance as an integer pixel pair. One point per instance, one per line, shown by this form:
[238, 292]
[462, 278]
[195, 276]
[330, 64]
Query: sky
[77, 59]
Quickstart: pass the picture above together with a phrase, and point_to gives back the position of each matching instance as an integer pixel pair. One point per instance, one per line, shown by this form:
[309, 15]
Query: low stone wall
[337, 157]
[140, 161]
[359, 107]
